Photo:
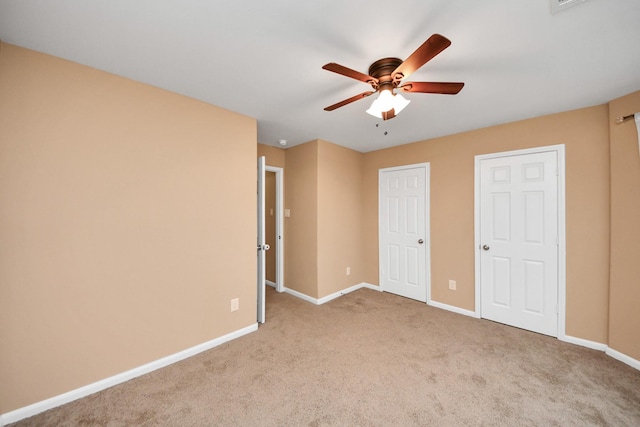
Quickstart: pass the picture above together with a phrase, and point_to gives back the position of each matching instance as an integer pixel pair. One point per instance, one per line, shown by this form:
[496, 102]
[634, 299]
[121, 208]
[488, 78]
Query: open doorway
[274, 227]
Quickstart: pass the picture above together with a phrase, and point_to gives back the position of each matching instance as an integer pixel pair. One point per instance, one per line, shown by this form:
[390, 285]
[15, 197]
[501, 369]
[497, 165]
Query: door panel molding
[411, 210]
[559, 150]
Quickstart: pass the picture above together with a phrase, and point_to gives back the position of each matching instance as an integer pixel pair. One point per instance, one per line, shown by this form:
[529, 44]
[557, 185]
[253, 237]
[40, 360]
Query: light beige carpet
[372, 359]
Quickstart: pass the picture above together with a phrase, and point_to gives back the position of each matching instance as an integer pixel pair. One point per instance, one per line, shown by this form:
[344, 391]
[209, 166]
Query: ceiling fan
[386, 74]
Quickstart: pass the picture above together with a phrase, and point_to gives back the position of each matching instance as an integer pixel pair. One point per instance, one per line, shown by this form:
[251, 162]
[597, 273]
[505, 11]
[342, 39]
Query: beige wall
[624, 321]
[323, 184]
[117, 245]
[585, 135]
[274, 156]
[339, 218]
[301, 229]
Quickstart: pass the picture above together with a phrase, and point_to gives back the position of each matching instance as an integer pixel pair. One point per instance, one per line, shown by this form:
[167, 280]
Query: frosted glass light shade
[385, 102]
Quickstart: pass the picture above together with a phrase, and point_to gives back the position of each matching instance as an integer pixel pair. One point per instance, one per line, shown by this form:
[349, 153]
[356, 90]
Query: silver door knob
[421, 241]
[485, 247]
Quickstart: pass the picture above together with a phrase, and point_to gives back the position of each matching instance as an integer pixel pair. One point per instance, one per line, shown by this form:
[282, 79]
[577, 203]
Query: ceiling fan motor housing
[381, 70]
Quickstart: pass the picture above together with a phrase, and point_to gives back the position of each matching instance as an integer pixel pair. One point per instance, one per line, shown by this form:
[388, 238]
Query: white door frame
[279, 244]
[562, 247]
[261, 246]
[427, 224]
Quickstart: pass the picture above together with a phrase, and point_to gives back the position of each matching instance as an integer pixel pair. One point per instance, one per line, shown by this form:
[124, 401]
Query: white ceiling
[264, 58]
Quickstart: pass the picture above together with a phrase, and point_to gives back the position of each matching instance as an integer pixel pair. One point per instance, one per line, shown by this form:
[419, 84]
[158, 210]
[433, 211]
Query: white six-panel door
[519, 241]
[403, 231]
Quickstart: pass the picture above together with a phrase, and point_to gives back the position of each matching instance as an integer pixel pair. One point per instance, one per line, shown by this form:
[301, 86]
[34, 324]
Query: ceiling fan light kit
[387, 74]
[386, 102]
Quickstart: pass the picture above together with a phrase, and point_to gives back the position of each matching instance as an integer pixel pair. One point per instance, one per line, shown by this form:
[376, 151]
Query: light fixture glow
[387, 101]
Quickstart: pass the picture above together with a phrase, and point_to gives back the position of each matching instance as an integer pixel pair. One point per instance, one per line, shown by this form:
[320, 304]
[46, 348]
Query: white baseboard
[452, 308]
[270, 283]
[333, 296]
[36, 408]
[602, 347]
[301, 296]
[344, 292]
[623, 358]
[583, 343]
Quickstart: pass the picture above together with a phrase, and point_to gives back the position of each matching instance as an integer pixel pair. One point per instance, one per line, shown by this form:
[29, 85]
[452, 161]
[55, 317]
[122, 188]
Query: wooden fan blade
[348, 101]
[341, 69]
[433, 46]
[445, 88]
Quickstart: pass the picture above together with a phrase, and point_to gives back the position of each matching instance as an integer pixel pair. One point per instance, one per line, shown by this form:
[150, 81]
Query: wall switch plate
[287, 213]
[348, 271]
[452, 285]
[235, 304]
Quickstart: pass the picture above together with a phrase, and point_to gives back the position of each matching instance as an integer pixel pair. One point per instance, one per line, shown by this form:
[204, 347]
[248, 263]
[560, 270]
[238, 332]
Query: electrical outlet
[452, 285]
[235, 304]
[348, 271]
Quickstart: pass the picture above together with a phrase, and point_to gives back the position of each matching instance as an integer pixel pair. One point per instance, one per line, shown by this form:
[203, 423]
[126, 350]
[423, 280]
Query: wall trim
[270, 283]
[36, 408]
[623, 358]
[583, 343]
[452, 308]
[343, 292]
[333, 296]
[301, 295]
